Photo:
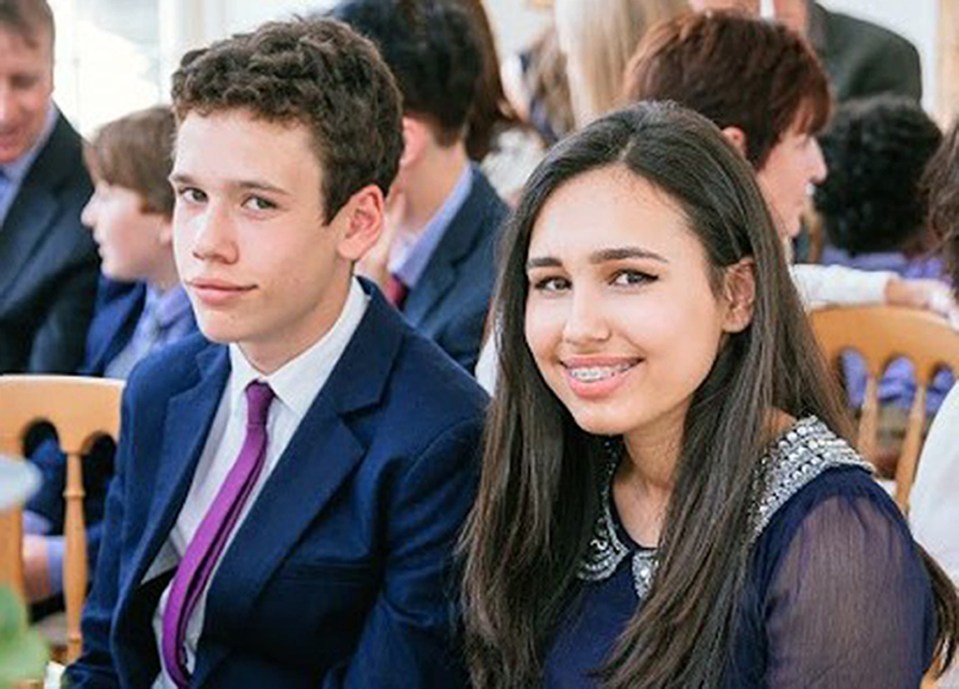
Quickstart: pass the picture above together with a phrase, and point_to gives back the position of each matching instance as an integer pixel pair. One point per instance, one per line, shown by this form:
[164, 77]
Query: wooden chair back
[880, 334]
[81, 409]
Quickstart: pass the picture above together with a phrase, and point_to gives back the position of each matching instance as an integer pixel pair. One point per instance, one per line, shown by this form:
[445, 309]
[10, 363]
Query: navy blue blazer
[50, 265]
[118, 310]
[340, 576]
[450, 301]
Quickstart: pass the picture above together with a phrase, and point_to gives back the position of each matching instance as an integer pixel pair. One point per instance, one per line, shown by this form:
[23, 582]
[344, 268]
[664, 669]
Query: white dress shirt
[295, 385]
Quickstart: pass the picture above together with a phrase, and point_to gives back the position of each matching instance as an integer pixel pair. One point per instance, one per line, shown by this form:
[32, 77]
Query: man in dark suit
[862, 59]
[48, 262]
[287, 497]
[436, 257]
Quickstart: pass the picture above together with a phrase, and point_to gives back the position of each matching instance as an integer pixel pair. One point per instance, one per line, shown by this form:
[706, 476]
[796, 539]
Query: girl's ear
[739, 292]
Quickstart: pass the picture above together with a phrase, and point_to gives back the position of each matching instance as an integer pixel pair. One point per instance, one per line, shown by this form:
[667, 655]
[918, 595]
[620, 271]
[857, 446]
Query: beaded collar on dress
[800, 454]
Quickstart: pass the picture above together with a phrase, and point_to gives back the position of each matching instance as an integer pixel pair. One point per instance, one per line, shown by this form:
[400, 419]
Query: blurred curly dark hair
[433, 50]
[316, 72]
[940, 184]
[876, 151]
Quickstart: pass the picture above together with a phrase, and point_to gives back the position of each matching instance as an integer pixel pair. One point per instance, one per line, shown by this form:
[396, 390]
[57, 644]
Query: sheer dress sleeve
[849, 602]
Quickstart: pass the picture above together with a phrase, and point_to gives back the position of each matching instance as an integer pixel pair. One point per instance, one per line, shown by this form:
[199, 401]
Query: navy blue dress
[836, 594]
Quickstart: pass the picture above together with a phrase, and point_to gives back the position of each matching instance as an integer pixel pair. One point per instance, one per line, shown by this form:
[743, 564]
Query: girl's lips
[596, 378]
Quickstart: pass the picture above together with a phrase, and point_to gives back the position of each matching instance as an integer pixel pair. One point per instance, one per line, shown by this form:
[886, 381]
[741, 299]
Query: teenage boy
[288, 496]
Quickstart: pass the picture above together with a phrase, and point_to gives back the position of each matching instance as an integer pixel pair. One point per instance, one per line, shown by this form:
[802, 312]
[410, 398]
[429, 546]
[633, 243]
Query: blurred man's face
[750, 6]
[26, 85]
[792, 13]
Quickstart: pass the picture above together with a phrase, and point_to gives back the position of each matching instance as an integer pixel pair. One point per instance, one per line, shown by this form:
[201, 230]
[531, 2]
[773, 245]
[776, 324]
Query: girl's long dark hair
[532, 520]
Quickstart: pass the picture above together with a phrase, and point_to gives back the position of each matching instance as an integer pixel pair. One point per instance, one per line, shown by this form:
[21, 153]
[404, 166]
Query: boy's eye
[258, 203]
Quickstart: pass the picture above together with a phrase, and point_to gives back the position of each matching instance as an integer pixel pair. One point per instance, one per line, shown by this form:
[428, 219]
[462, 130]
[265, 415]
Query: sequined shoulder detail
[800, 454]
[605, 550]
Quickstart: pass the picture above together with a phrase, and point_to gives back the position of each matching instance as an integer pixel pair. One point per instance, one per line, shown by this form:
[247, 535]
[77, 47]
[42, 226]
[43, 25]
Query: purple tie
[203, 552]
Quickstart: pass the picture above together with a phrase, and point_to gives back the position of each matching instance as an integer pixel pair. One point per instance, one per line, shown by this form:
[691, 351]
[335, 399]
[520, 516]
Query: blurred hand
[924, 294]
[36, 571]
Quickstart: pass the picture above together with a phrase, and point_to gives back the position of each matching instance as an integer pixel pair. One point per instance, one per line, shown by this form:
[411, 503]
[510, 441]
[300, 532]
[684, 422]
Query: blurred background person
[48, 263]
[874, 216]
[933, 507]
[597, 38]
[770, 101]
[536, 84]
[141, 308]
[506, 148]
[861, 58]
[434, 259]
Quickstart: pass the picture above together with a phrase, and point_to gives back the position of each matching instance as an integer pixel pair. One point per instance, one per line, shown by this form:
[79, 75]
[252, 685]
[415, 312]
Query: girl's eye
[628, 278]
[258, 203]
[551, 284]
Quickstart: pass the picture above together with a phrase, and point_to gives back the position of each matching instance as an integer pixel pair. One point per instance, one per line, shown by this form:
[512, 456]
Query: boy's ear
[363, 222]
[739, 292]
[737, 137]
[416, 134]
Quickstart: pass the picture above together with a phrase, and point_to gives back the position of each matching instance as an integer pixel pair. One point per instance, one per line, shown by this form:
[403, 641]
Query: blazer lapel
[461, 236]
[322, 455]
[188, 420]
[36, 204]
[26, 225]
[112, 329]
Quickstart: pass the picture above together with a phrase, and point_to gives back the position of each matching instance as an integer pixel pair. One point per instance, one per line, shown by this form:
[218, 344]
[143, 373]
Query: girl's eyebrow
[601, 256]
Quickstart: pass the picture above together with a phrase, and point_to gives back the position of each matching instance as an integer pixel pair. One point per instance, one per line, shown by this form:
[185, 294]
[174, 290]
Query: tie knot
[258, 398]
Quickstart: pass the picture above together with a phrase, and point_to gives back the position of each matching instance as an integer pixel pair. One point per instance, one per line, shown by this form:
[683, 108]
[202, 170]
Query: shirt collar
[409, 263]
[297, 383]
[18, 169]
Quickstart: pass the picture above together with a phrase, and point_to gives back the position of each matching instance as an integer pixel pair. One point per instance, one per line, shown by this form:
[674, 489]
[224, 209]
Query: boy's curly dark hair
[876, 150]
[433, 51]
[940, 184]
[318, 73]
